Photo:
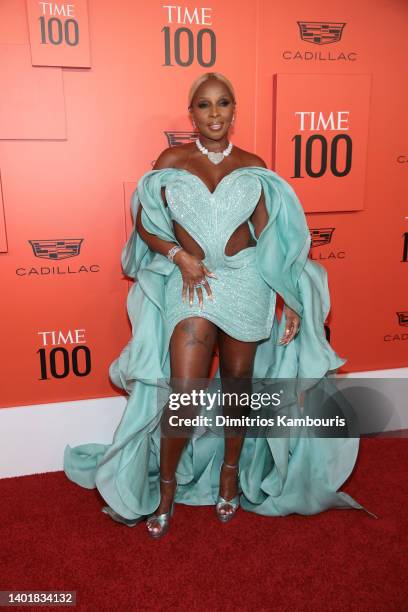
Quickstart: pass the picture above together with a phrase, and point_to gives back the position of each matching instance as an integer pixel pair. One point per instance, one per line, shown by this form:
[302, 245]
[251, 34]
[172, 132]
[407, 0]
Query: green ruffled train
[278, 476]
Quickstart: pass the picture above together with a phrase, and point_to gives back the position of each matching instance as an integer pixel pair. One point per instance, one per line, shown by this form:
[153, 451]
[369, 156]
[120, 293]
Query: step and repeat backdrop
[91, 93]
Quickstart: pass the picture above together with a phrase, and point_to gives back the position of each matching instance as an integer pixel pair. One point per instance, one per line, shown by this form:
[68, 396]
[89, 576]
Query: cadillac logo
[320, 32]
[178, 138]
[321, 236]
[403, 318]
[56, 249]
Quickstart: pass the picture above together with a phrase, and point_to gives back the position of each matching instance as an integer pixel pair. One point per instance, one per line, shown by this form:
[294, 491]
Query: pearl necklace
[214, 157]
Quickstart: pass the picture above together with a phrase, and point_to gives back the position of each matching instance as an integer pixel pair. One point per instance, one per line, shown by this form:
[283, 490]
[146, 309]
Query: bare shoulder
[166, 159]
[172, 157]
[250, 159]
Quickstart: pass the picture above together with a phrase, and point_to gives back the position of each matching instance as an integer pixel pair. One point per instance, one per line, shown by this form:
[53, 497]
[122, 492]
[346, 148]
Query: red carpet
[54, 537]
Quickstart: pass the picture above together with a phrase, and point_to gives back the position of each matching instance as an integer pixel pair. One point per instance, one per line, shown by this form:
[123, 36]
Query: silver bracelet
[171, 253]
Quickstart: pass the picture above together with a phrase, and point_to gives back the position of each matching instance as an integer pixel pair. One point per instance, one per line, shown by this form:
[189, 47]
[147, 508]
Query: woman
[214, 229]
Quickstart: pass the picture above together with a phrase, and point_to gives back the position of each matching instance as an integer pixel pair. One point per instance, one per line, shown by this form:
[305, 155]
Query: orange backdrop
[93, 91]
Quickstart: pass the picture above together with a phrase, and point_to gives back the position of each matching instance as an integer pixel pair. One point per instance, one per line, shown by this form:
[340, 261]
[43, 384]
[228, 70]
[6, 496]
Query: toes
[152, 527]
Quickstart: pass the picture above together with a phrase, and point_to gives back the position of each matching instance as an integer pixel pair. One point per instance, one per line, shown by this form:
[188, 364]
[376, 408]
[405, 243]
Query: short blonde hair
[204, 77]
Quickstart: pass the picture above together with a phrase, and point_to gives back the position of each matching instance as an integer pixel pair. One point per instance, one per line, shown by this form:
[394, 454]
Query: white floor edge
[34, 437]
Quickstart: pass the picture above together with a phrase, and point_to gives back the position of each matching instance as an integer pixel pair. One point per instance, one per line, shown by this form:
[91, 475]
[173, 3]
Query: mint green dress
[278, 476]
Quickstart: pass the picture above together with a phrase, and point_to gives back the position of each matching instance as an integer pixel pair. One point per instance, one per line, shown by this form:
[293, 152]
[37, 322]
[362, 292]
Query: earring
[232, 120]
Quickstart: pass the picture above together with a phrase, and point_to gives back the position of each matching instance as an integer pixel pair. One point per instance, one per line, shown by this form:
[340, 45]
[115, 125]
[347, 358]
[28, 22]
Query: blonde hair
[204, 77]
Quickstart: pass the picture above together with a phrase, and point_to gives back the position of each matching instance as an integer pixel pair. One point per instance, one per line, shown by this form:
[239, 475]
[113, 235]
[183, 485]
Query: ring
[196, 285]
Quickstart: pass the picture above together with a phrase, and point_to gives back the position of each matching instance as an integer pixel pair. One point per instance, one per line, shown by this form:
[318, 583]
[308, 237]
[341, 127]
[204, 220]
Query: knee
[186, 385]
[236, 373]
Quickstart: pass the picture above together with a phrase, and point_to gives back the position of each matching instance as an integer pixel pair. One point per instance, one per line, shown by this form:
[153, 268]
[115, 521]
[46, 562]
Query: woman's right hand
[193, 271]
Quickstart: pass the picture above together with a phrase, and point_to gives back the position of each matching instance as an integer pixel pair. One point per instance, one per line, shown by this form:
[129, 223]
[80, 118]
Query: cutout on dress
[231, 249]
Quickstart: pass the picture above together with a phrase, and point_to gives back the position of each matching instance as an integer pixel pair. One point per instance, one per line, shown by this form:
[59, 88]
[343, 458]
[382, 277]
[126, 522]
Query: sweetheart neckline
[200, 180]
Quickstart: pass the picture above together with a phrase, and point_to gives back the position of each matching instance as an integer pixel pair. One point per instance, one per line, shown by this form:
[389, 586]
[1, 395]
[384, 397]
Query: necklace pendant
[215, 158]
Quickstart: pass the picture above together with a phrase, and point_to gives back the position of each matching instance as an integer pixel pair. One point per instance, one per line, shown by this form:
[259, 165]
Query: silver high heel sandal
[162, 520]
[222, 503]
[121, 519]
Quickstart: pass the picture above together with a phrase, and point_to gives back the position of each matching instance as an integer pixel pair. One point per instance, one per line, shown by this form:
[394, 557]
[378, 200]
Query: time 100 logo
[182, 46]
[56, 31]
[304, 147]
[59, 361]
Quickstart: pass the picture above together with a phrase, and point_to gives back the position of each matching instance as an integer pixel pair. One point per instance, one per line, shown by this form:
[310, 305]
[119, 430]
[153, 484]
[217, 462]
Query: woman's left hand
[292, 325]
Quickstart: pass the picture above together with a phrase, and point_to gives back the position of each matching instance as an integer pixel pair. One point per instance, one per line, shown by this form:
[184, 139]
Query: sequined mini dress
[243, 304]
